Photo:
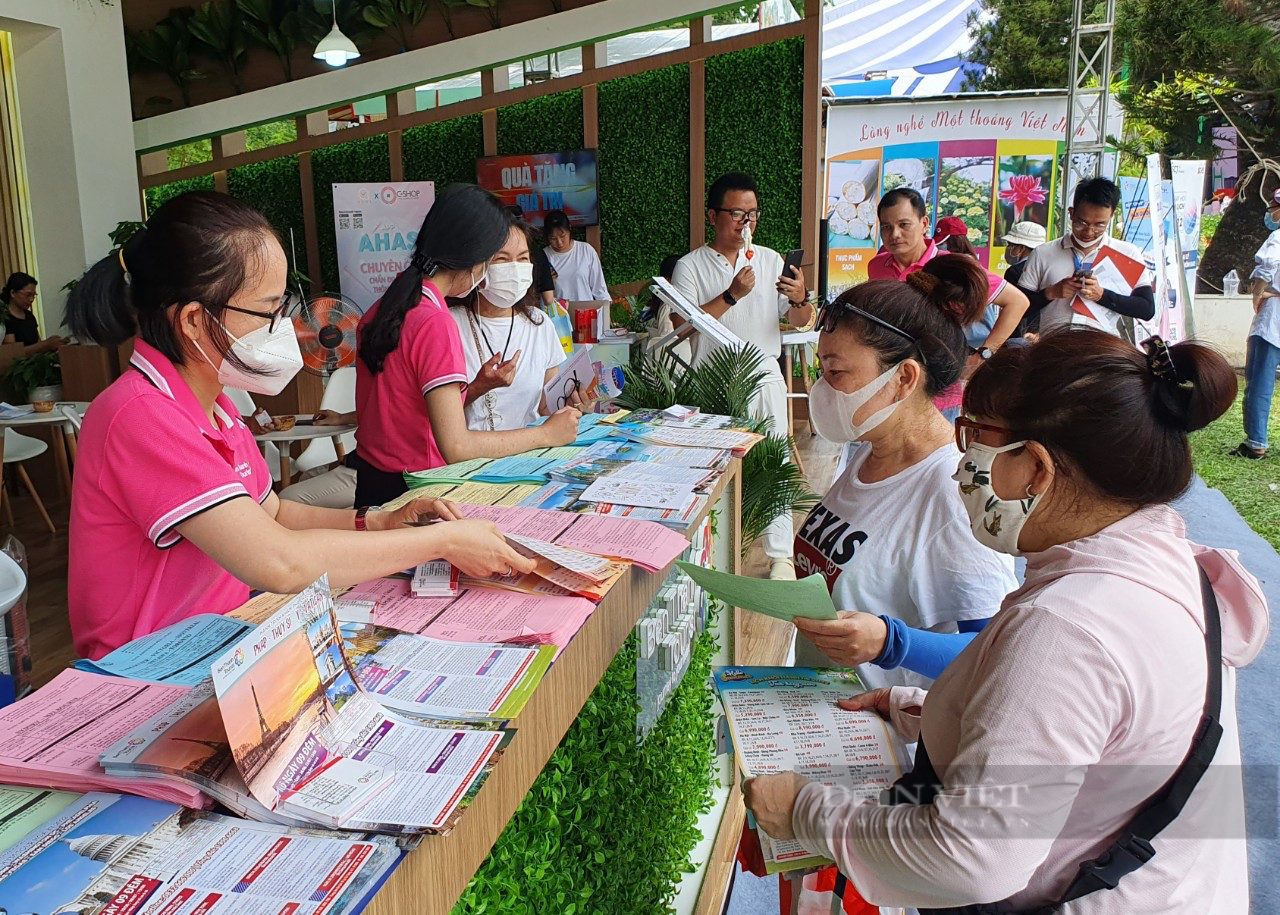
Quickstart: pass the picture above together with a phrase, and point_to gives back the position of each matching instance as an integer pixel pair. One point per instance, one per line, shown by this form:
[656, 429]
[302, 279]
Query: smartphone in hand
[794, 258]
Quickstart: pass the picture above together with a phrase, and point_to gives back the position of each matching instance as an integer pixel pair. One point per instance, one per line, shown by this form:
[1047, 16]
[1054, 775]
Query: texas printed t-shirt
[902, 548]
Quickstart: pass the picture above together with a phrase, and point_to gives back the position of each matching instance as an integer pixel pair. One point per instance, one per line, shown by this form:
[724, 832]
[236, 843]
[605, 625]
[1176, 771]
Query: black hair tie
[423, 264]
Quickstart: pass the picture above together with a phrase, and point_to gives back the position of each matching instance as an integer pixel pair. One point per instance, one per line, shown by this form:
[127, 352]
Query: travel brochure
[380, 710]
[784, 719]
[108, 853]
[290, 705]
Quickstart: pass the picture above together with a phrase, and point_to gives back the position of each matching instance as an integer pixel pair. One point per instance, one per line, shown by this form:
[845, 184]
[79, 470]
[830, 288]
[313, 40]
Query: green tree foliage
[399, 16]
[1184, 63]
[218, 26]
[275, 25]
[166, 48]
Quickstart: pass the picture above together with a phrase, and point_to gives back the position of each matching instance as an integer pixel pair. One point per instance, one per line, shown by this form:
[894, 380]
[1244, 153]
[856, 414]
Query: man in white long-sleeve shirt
[1262, 355]
[745, 290]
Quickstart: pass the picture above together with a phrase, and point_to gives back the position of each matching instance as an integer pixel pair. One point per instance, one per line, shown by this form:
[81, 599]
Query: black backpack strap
[1133, 848]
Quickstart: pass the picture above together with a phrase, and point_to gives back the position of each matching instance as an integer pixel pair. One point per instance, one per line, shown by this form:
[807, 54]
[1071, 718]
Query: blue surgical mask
[1270, 221]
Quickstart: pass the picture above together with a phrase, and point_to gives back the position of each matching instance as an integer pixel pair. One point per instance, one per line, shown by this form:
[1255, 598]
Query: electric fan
[326, 328]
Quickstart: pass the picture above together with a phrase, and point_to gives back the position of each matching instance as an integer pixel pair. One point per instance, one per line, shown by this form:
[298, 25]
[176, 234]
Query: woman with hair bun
[1049, 774]
[891, 537]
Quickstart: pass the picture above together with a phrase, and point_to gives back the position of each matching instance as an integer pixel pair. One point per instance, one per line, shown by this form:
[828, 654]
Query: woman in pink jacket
[1081, 698]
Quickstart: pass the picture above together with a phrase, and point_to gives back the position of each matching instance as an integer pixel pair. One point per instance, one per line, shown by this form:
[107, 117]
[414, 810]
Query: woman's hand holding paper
[854, 638]
[772, 799]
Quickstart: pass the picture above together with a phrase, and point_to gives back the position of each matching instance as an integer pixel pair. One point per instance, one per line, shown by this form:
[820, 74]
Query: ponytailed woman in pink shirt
[1045, 741]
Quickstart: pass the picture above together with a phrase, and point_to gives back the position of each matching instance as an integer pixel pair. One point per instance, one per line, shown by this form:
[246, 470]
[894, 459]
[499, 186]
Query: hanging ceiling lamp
[336, 49]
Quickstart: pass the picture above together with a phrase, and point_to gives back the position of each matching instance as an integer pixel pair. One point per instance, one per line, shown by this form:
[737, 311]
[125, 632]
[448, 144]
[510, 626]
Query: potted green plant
[724, 383]
[38, 378]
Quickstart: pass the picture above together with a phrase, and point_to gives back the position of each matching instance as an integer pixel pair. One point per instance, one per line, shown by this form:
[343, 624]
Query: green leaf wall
[272, 187]
[644, 168]
[552, 123]
[755, 112]
[608, 826]
[443, 152]
[156, 196]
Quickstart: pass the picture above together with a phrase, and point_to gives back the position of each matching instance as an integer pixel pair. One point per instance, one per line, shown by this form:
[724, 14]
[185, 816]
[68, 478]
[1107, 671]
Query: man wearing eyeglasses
[1059, 271]
[742, 285]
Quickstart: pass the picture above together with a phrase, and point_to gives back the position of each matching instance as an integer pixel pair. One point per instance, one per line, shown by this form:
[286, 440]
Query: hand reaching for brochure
[772, 800]
[415, 512]
[854, 638]
[477, 548]
[562, 426]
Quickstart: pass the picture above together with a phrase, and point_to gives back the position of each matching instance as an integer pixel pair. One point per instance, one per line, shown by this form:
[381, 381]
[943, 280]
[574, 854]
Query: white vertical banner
[1188, 196]
[376, 226]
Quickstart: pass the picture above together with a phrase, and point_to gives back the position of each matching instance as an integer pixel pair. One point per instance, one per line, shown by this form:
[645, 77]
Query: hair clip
[1160, 360]
[423, 264]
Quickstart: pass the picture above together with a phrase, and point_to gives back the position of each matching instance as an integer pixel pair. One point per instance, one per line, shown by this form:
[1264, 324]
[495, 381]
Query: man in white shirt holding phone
[746, 288]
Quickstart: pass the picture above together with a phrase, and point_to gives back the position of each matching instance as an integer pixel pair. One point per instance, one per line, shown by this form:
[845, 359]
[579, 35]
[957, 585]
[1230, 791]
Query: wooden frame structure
[229, 149]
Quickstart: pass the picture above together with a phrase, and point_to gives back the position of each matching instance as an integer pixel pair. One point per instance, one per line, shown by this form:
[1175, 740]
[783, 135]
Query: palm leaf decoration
[724, 383]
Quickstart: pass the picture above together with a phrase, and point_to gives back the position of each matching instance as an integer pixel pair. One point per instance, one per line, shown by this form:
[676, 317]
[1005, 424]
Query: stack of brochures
[104, 853]
[434, 579]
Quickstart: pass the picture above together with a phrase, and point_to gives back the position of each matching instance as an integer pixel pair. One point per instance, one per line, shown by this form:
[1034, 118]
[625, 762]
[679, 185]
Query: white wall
[73, 96]
[1224, 322]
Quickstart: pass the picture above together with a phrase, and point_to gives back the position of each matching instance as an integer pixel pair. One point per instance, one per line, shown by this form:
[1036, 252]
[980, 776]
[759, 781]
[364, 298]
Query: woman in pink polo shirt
[411, 370]
[172, 512]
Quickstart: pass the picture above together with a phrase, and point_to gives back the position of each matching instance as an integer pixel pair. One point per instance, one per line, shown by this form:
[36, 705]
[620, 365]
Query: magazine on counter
[110, 853]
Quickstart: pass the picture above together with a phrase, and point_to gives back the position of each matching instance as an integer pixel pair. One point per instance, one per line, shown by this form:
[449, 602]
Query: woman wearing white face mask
[411, 372]
[1045, 777]
[172, 512]
[510, 347]
[891, 537]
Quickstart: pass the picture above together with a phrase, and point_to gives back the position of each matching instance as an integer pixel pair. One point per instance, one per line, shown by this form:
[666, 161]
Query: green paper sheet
[782, 600]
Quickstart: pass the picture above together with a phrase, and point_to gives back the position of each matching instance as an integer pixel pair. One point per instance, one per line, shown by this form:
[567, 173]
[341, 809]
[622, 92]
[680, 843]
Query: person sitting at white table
[578, 274]
[510, 346]
[172, 512]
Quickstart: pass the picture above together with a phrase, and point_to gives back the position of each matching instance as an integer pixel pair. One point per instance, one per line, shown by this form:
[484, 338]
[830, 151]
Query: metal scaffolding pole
[1088, 98]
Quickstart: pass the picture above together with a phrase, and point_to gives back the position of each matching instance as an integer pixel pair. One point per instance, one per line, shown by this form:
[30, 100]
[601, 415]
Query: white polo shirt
[703, 274]
[1054, 261]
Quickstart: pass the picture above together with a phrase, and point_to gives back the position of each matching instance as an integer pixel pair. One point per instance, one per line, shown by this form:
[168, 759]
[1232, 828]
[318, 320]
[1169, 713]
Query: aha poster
[376, 225]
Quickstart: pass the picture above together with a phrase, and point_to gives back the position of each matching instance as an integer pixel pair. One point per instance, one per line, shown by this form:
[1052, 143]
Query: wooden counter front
[433, 876]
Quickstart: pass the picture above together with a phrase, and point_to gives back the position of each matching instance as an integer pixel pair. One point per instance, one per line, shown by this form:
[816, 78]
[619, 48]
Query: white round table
[64, 437]
[303, 432]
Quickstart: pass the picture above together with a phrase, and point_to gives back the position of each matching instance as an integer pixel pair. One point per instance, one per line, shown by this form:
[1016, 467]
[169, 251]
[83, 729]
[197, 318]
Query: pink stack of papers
[53, 738]
[646, 543]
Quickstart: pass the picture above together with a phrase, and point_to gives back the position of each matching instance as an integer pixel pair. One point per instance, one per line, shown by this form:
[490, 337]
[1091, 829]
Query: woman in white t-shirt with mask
[510, 346]
[891, 537]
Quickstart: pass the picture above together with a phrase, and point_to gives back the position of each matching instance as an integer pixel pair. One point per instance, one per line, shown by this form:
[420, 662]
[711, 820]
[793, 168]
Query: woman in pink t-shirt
[411, 369]
[1075, 706]
[172, 512]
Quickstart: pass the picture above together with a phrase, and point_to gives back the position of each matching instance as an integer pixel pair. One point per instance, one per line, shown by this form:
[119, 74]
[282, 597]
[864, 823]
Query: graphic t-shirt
[902, 548]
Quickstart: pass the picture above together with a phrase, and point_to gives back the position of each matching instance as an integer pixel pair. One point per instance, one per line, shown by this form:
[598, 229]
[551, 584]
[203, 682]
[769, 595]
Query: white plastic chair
[19, 448]
[245, 406]
[340, 397]
[13, 581]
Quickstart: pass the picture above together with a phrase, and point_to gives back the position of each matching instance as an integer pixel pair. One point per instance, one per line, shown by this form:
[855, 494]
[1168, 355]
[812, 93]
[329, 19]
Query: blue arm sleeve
[927, 653]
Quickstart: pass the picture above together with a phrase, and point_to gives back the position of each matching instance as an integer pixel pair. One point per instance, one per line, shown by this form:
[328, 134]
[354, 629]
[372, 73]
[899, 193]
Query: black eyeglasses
[741, 215]
[572, 388]
[289, 303]
[830, 313]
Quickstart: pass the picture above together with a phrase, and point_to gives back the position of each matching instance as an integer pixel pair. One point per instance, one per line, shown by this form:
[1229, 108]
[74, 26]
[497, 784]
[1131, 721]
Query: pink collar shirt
[148, 460]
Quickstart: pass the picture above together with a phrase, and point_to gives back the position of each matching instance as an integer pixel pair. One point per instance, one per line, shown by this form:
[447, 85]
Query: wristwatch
[361, 524]
[729, 298]
[984, 353]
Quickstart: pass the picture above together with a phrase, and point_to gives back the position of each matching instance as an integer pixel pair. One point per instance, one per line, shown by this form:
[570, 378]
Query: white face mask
[506, 284]
[275, 354]
[832, 411]
[996, 522]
